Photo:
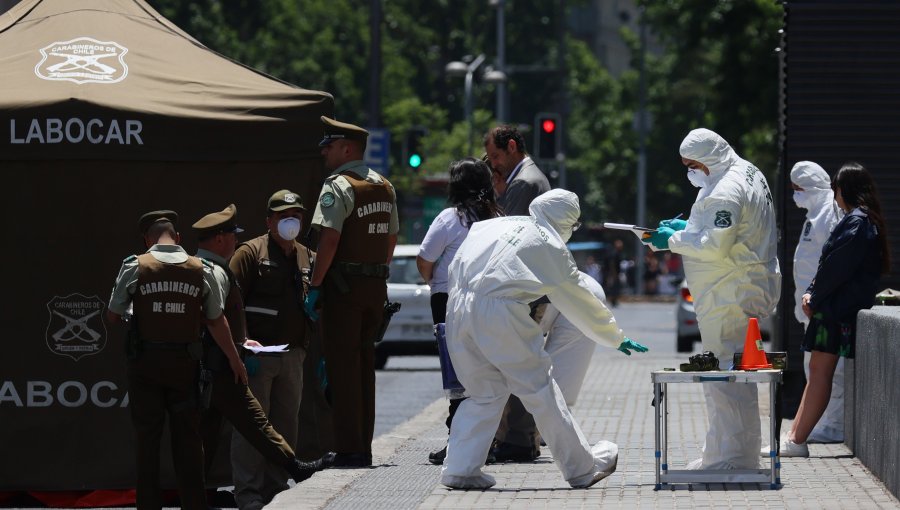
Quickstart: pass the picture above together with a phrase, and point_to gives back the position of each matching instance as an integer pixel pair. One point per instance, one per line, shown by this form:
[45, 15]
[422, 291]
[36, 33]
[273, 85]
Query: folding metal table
[662, 378]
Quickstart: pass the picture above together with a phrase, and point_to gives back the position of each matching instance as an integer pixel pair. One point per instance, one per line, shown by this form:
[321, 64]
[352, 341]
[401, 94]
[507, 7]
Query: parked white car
[411, 331]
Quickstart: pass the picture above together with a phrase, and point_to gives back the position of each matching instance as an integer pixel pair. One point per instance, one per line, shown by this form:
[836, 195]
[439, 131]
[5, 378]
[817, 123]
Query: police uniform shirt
[126, 282]
[336, 199]
[218, 272]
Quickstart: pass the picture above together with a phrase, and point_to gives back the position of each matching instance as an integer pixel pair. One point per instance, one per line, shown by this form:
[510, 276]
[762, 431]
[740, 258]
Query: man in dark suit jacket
[505, 148]
[517, 437]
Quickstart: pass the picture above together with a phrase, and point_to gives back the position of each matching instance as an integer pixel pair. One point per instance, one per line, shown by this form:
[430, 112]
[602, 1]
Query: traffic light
[413, 148]
[547, 135]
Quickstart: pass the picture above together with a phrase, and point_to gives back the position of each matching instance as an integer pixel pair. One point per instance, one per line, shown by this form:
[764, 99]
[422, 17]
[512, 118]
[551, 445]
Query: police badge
[327, 199]
[723, 219]
[75, 327]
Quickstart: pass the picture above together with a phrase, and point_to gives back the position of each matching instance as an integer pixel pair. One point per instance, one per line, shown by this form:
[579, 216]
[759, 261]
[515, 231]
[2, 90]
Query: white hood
[821, 215]
[556, 210]
[817, 184]
[710, 149]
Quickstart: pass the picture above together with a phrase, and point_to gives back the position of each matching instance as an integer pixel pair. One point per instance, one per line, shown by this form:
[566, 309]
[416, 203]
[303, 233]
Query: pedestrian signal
[413, 154]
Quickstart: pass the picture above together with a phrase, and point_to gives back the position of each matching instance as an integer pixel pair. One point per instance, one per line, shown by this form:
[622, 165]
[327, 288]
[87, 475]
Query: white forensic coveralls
[730, 262]
[497, 349]
[822, 214]
[570, 350]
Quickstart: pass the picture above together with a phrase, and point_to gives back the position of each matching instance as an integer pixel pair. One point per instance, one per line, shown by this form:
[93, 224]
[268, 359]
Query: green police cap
[285, 199]
[335, 130]
[224, 222]
[156, 216]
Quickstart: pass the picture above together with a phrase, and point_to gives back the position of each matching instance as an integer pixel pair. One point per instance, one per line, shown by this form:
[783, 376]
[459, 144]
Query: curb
[324, 486]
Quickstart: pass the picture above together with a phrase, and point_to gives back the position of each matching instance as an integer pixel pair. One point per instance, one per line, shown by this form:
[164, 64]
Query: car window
[404, 270]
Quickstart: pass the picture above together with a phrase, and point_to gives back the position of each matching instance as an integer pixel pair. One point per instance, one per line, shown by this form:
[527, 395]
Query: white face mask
[802, 199]
[288, 228]
[697, 178]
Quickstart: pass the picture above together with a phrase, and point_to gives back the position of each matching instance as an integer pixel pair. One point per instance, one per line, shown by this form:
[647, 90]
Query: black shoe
[301, 470]
[437, 458]
[508, 452]
[346, 460]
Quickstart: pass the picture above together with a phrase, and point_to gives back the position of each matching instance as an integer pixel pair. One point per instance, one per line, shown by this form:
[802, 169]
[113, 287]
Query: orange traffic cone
[754, 357]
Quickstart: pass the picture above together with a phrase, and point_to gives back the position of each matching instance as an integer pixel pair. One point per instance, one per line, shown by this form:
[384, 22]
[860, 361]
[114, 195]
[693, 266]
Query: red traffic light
[548, 125]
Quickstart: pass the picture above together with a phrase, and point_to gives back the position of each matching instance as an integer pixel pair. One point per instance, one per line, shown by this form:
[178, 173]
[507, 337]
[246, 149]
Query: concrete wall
[872, 395]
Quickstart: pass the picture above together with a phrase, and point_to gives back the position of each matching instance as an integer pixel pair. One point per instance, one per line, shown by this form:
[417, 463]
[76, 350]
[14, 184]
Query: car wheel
[381, 358]
[685, 344]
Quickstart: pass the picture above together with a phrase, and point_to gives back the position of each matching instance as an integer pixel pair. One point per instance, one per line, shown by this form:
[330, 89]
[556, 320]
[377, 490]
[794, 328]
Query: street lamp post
[500, 63]
[468, 70]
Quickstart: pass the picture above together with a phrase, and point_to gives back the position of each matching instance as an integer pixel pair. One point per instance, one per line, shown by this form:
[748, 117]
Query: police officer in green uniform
[272, 272]
[172, 295]
[217, 239]
[357, 220]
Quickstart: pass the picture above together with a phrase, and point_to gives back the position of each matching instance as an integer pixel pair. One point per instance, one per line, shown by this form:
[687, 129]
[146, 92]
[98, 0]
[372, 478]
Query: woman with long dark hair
[471, 199]
[852, 262]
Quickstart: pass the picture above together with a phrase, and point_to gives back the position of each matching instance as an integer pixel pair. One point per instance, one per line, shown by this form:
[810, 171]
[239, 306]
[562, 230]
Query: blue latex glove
[660, 238]
[251, 363]
[631, 344]
[674, 224]
[309, 303]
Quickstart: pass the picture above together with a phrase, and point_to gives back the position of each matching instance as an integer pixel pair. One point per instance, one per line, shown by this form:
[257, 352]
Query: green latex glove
[632, 345]
[660, 238]
[675, 224]
[309, 303]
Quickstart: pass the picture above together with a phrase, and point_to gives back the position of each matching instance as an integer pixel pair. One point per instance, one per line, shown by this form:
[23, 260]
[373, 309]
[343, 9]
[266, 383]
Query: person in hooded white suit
[498, 349]
[728, 246]
[812, 191]
[570, 350]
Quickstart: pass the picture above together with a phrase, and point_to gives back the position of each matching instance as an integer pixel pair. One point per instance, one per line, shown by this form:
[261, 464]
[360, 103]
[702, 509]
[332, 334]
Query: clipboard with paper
[643, 233]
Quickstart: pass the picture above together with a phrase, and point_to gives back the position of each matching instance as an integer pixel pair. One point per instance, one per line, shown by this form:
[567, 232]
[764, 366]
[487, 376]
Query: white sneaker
[792, 449]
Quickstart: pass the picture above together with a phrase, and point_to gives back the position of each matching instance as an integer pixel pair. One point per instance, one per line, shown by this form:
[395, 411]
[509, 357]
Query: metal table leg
[657, 426]
[774, 460]
[664, 394]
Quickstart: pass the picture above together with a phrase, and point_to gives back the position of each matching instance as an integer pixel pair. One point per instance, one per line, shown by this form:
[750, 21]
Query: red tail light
[686, 295]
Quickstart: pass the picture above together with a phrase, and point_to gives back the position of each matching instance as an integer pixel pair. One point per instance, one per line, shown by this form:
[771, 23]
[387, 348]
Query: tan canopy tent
[108, 111]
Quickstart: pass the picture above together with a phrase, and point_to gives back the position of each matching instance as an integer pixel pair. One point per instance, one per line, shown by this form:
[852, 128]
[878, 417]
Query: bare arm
[392, 243]
[426, 269]
[222, 335]
[329, 239]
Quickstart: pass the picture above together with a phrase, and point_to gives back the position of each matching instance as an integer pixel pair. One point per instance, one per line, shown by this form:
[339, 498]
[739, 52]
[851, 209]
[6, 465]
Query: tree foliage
[713, 65]
[718, 69]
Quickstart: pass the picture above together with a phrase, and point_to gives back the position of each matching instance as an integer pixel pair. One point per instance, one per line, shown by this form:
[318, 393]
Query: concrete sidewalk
[615, 405]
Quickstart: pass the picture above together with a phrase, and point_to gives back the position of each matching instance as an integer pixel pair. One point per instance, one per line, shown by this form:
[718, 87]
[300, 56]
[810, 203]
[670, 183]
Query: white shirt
[441, 241]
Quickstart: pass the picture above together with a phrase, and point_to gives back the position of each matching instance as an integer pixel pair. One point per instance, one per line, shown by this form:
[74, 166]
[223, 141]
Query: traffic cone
[754, 357]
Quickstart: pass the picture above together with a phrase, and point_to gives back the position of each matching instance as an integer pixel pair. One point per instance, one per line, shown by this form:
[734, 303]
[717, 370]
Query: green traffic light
[415, 160]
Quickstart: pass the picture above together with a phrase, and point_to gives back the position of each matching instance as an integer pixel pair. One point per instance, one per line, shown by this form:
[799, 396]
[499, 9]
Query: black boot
[508, 452]
[437, 457]
[301, 470]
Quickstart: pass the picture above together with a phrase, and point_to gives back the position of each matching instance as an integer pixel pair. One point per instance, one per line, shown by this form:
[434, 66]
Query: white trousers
[497, 349]
[570, 352]
[733, 439]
